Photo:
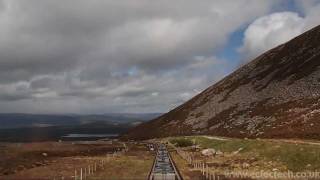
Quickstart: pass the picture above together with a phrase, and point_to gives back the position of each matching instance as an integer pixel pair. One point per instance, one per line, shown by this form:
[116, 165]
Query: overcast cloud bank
[131, 55]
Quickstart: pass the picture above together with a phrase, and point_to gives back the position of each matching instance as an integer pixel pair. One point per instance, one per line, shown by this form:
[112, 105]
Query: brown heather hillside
[276, 95]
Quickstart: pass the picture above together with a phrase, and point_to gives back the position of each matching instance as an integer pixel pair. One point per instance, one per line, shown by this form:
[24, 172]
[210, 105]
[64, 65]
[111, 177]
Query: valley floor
[64, 160]
[133, 160]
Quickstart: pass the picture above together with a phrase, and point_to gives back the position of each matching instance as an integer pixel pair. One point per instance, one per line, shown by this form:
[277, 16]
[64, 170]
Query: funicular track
[163, 166]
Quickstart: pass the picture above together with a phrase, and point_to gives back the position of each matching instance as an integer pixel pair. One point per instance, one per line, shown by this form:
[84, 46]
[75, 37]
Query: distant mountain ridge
[277, 95]
[18, 120]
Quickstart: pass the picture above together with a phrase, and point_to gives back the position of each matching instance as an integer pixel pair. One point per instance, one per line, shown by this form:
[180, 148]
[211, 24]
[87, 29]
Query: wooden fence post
[207, 171]
[203, 168]
[213, 175]
[81, 174]
[75, 174]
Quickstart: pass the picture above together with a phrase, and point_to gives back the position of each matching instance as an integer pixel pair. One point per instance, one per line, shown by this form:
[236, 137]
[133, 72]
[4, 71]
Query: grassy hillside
[294, 156]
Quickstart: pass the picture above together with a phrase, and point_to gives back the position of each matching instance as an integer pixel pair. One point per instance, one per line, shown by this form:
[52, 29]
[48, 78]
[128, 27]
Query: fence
[197, 165]
[85, 172]
[205, 170]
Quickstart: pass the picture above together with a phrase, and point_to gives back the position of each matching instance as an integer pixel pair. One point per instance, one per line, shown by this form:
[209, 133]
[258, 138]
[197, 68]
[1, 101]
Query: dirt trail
[216, 138]
[294, 141]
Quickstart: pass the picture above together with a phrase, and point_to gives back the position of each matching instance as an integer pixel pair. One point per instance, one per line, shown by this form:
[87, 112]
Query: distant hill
[16, 120]
[276, 95]
[35, 127]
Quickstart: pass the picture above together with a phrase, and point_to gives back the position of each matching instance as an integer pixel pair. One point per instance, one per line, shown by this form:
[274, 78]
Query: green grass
[181, 142]
[295, 157]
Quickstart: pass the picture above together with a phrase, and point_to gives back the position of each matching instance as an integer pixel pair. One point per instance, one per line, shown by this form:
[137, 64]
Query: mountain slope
[275, 95]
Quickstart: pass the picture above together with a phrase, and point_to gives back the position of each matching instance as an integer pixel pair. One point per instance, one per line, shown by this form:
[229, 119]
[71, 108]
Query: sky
[133, 56]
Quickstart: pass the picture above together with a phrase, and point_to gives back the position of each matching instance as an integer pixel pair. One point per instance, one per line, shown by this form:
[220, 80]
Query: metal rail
[163, 166]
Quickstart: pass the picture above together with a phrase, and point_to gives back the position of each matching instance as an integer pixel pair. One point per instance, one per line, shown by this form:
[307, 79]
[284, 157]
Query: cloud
[123, 56]
[14, 92]
[272, 30]
[306, 6]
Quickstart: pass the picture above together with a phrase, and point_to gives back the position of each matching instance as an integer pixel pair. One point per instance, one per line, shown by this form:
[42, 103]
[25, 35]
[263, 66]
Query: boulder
[219, 153]
[20, 167]
[38, 164]
[208, 152]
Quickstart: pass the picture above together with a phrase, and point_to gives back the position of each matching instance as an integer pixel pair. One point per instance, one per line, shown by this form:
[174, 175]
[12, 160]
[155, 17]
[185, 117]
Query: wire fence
[90, 169]
[197, 165]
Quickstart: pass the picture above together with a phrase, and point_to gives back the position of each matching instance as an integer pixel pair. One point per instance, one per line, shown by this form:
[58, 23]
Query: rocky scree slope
[276, 95]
